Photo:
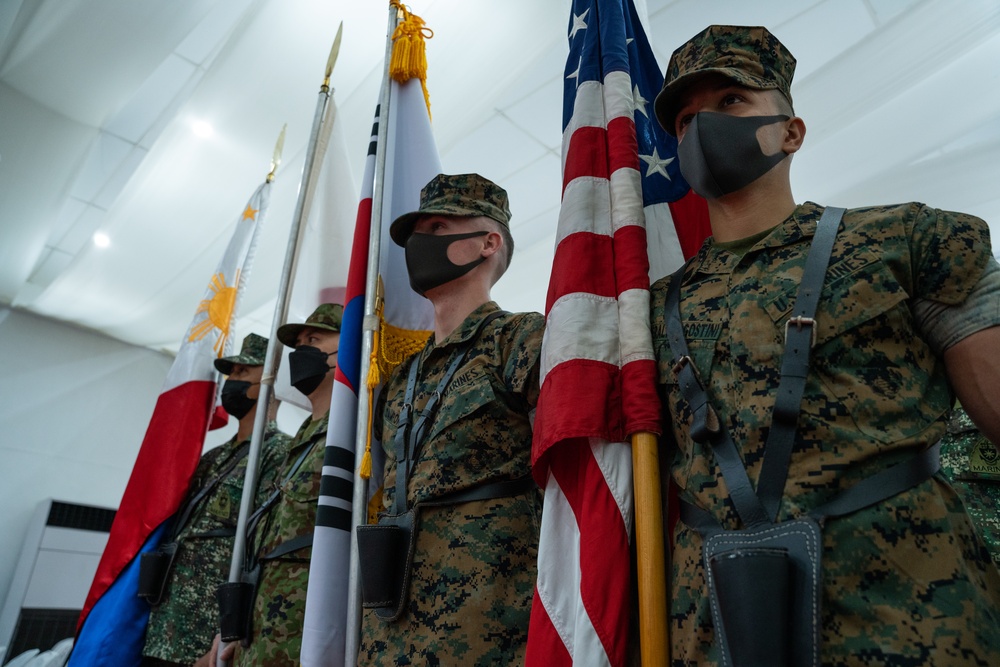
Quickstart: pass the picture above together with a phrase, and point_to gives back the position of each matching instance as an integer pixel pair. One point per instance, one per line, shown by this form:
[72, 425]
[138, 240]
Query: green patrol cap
[327, 316]
[251, 354]
[460, 195]
[749, 55]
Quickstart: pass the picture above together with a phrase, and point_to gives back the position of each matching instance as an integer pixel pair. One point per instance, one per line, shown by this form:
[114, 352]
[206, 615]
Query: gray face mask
[721, 154]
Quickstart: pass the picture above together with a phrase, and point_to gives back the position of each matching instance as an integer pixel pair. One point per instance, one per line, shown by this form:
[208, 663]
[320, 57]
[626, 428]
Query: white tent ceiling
[98, 101]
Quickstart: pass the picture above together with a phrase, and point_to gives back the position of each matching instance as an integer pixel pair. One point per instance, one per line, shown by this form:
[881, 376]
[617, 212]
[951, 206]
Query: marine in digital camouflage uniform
[473, 573]
[181, 627]
[279, 606]
[972, 464]
[906, 581]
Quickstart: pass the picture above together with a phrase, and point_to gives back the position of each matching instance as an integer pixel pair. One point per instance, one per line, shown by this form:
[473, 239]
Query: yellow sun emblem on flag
[219, 310]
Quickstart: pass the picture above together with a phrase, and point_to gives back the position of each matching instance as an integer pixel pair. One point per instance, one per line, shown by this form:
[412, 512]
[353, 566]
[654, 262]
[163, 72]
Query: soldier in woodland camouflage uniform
[473, 571]
[909, 302]
[279, 607]
[281, 541]
[972, 464]
[182, 625]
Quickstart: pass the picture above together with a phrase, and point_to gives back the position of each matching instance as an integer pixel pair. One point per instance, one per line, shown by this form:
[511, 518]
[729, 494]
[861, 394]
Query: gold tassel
[366, 460]
[390, 347]
[409, 50]
[372, 381]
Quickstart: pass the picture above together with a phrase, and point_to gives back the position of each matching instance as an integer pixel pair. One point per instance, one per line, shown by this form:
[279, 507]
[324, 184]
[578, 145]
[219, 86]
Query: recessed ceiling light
[101, 240]
[202, 129]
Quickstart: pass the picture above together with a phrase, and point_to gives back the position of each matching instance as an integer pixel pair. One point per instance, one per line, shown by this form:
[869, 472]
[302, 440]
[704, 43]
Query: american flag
[622, 193]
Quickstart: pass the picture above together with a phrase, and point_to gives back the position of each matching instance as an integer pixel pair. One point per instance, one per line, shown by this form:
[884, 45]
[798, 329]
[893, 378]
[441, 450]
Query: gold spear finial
[279, 146]
[334, 51]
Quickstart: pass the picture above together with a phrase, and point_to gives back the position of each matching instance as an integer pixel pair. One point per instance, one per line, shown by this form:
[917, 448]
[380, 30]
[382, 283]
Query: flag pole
[370, 325]
[310, 169]
[650, 551]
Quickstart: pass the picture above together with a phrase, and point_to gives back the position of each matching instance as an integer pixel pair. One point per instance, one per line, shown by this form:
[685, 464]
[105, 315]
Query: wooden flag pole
[650, 551]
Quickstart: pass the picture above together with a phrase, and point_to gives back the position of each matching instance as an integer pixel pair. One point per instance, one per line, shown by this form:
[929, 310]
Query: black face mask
[427, 260]
[235, 399]
[307, 367]
[721, 154]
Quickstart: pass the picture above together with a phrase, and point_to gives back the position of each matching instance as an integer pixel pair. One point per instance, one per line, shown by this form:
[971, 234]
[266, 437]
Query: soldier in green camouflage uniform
[181, 627]
[905, 581]
[279, 606]
[473, 572]
[972, 464]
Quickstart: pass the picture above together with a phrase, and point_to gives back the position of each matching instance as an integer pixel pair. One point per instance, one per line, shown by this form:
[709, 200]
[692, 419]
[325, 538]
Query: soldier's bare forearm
[973, 366]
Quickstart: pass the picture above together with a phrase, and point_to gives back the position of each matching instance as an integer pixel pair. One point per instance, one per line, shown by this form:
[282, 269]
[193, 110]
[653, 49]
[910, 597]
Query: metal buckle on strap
[800, 322]
[681, 363]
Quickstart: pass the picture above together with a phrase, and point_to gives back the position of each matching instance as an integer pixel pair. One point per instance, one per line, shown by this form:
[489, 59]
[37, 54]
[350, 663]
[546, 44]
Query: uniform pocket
[466, 394]
[867, 357]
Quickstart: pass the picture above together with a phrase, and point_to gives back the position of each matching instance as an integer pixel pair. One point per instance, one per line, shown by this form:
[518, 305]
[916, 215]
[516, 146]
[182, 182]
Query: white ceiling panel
[491, 144]
[671, 23]
[534, 189]
[106, 154]
[85, 59]
[162, 86]
[539, 114]
[898, 95]
[847, 23]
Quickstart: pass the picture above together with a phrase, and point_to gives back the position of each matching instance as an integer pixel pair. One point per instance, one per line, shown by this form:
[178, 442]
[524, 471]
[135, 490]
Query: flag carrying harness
[386, 549]
[765, 580]
[236, 598]
[155, 566]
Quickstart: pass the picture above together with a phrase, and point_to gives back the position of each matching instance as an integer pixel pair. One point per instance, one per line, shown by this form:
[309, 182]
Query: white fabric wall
[74, 406]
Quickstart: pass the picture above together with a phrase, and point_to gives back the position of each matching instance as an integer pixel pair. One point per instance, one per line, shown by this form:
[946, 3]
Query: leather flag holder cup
[765, 593]
[386, 556]
[154, 569]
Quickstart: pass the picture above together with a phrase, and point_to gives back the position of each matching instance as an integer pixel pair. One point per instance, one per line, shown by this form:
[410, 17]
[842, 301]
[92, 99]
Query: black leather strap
[404, 454]
[883, 485]
[216, 532]
[741, 492]
[253, 522]
[399, 442]
[760, 507]
[872, 490]
[408, 439]
[265, 507]
[285, 548]
[800, 334]
[185, 514]
[507, 488]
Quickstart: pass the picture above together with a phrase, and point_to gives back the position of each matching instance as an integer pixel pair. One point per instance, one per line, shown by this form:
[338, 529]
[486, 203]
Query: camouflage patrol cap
[327, 316]
[461, 195]
[251, 354]
[749, 55]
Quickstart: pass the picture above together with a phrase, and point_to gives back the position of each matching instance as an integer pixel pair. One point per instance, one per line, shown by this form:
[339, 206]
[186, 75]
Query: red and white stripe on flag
[620, 178]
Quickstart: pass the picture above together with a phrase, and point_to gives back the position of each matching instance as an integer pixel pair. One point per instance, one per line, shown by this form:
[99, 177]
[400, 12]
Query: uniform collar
[268, 429]
[310, 427]
[468, 328]
[801, 224]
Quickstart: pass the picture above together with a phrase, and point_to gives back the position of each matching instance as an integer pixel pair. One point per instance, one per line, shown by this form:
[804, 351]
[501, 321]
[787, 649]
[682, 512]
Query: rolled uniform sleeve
[944, 325]
[521, 366]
